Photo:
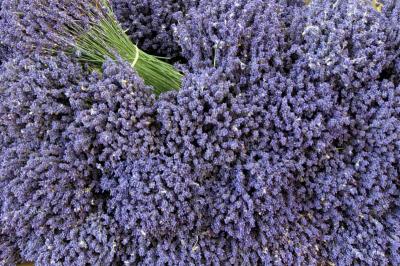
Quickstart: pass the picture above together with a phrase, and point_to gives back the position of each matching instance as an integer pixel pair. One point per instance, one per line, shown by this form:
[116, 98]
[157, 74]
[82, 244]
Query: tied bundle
[104, 38]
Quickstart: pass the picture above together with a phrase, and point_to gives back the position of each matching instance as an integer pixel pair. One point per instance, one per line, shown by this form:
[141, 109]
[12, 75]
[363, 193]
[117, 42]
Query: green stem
[106, 38]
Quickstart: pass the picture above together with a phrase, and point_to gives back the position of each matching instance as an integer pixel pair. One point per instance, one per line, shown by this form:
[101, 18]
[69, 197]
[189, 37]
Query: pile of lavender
[282, 146]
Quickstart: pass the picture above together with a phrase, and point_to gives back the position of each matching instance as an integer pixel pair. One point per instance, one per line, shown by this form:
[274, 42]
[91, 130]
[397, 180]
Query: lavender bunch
[105, 38]
[280, 148]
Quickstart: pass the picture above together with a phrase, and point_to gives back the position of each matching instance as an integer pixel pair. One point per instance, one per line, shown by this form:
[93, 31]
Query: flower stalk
[105, 39]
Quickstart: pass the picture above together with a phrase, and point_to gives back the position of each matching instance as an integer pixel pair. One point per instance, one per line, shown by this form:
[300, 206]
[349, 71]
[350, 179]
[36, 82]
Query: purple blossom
[281, 148]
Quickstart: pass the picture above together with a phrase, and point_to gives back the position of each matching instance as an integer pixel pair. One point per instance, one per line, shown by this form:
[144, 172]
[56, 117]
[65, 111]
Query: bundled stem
[106, 39]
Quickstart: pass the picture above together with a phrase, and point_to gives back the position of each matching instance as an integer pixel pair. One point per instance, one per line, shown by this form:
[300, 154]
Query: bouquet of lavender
[104, 38]
[281, 146]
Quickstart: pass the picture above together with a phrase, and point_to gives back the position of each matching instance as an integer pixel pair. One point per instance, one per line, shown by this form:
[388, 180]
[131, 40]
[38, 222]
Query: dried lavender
[105, 39]
[283, 152]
